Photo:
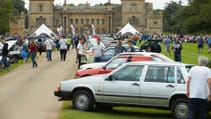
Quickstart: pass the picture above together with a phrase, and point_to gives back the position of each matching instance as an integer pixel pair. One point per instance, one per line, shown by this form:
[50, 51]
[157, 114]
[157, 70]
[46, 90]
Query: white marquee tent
[43, 29]
[128, 28]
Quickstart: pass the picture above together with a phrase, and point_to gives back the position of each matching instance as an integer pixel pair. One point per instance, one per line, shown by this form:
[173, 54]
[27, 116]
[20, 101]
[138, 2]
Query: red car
[115, 63]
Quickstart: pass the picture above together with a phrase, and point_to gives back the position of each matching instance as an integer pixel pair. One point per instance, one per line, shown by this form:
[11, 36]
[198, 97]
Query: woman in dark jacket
[5, 52]
[33, 52]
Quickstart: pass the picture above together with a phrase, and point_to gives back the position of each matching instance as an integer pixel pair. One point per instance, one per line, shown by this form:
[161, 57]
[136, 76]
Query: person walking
[69, 40]
[79, 52]
[5, 53]
[197, 89]
[98, 51]
[130, 46]
[209, 43]
[177, 48]
[33, 52]
[119, 48]
[49, 44]
[63, 48]
[40, 46]
[24, 50]
[167, 42]
[199, 44]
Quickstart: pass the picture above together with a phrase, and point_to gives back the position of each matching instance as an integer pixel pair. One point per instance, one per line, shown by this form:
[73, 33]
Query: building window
[103, 21]
[155, 22]
[40, 7]
[87, 21]
[93, 21]
[133, 7]
[133, 20]
[76, 21]
[71, 21]
[82, 21]
[98, 21]
[40, 20]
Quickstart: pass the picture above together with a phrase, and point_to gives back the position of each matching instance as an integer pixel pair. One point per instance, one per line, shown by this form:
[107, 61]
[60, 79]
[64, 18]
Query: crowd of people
[172, 43]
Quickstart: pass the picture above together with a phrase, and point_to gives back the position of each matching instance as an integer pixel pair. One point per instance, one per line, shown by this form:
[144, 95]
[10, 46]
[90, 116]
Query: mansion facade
[106, 18]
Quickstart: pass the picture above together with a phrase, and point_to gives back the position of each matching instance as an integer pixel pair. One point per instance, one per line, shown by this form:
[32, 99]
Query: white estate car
[152, 84]
[155, 57]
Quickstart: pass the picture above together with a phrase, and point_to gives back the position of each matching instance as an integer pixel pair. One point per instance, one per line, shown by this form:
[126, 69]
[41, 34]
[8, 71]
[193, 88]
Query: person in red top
[33, 52]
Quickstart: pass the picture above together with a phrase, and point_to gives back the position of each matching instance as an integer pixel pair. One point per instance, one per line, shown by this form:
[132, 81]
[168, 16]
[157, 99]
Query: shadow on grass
[132, 112]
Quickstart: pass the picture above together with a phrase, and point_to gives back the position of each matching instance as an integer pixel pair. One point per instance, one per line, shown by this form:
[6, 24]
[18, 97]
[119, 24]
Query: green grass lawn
[12, 66]
[189, 55]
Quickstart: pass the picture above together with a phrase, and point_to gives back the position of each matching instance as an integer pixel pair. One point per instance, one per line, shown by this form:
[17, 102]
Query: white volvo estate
[148, 84]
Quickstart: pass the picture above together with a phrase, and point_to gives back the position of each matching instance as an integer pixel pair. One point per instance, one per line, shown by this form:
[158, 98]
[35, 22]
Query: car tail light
[59, 88]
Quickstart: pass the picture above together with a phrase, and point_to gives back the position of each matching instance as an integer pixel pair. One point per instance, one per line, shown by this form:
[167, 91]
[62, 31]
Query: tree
[199, 17]
[19, 6]
[6, 14]
[173, 17]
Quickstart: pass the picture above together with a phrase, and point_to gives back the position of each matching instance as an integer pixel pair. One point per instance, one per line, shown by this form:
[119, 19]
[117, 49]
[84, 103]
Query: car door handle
[135, 84]
[170, 86]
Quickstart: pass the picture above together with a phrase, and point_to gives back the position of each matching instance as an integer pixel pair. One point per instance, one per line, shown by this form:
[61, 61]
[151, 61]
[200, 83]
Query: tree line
[195, 18]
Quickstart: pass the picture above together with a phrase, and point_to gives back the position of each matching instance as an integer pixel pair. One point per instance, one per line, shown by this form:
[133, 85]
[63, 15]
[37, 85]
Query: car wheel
[180, 108]
[83, 100]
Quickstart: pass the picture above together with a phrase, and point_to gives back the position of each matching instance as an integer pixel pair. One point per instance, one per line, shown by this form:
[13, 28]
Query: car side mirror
[108, 78]
[104, 67]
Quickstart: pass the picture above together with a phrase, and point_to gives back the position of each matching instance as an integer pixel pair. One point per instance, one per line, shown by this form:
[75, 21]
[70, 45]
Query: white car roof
[152, 54]
[157, 63]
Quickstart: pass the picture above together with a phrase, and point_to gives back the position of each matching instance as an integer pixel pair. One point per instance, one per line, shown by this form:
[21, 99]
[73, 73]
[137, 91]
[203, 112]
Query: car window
[160, 74]
[129, 73]
[188, 67]
[116, 63]
[109, 51]
[180, 78]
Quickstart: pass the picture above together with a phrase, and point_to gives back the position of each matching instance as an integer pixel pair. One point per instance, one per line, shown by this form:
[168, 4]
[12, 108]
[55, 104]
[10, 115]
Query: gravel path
[27, 93]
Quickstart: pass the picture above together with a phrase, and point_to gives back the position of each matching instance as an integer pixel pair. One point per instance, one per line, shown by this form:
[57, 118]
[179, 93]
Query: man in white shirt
[199, 81]
[63, 48]
[98, 51]
[49, 44]
[79, 51]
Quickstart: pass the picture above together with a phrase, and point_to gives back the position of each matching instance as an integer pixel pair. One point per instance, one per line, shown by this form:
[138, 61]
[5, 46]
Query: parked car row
[145, 79]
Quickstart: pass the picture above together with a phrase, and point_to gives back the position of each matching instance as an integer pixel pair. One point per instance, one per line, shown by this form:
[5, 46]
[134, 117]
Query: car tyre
[83, 100]
[180, 108]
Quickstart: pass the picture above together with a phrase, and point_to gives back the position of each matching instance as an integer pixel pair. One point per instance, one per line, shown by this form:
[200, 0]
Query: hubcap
[82, 101]
[181, 110]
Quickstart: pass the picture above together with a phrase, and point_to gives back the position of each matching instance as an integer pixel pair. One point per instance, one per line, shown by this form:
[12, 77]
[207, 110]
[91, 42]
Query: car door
[158, 85]
[124, 85]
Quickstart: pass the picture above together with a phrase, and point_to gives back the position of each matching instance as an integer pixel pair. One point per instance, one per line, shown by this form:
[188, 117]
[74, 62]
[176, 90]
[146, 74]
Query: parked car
[109, 52]
[14, 51]
[149, 84]
[151, 46]
[155, 57]
[113, 64]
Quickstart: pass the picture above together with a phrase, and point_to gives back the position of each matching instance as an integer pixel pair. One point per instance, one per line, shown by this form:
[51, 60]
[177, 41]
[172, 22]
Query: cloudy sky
[157, 4]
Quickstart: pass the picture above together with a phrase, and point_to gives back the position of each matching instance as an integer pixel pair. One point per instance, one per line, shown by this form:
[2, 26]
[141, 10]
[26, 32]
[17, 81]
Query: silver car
[149, 84]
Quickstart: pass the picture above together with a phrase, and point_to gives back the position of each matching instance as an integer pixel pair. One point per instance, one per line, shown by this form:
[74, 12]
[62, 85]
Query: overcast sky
[157, 4]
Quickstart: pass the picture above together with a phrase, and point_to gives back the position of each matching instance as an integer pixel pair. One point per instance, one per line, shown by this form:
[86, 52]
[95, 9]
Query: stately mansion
[106, 18]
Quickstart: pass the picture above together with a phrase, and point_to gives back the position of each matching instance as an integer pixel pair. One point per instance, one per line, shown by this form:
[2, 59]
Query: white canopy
[128, 28]
[43, 29]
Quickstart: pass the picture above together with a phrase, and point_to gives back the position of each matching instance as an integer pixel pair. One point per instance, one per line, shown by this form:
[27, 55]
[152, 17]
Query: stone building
[106, 18]
[17, 27]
